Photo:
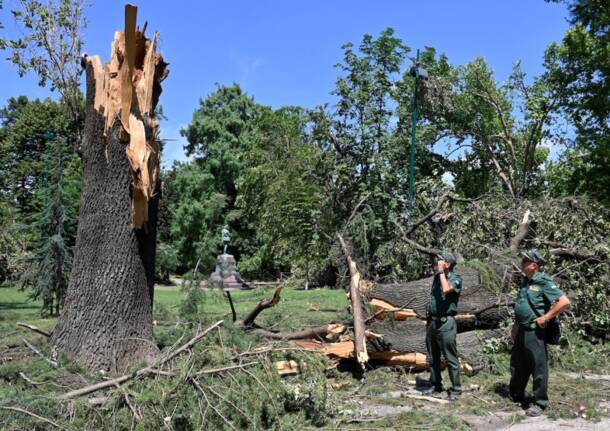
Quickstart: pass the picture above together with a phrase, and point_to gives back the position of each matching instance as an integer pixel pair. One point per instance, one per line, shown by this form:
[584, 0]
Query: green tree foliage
[578, 70]
[27, 127]
[287, 181]
[33, 151]
[49, 44]
[500, 129]
[220, 132]
[48, 268]
[281, 195]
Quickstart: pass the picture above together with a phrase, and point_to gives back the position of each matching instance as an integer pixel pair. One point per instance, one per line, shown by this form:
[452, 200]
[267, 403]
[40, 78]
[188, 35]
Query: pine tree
[51, 259]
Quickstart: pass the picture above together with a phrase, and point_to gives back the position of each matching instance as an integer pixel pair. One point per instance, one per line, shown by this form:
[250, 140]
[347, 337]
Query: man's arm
[446, 286]
[559, 307]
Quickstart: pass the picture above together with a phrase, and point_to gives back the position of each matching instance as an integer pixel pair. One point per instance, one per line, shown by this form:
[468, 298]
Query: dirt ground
[495, 415]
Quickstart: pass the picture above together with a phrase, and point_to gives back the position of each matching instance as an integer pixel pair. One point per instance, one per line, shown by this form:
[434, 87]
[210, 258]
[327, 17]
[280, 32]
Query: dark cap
[534, 255]
[447, 257]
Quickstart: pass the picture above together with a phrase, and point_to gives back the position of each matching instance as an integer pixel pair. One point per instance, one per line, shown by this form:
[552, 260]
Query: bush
[166, 261]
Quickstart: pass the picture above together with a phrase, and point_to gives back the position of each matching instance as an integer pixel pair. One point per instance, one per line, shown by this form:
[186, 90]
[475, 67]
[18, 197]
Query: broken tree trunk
[354, 293]
[487, 307]
[409, 336]
[107, 318]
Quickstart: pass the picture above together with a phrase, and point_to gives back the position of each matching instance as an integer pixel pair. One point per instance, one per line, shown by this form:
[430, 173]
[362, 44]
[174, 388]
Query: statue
[225, 274]
[225, 237]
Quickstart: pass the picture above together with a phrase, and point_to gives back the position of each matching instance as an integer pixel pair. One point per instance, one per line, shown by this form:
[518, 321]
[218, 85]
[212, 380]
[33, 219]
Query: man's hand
[542, 321]
[441, 266]
[513, 331]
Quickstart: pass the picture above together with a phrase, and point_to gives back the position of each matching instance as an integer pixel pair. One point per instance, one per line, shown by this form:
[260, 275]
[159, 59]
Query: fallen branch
[34, 415]
[200, 388]
[33, 349]
[35, 329]
[522, 232]
[359, 329]
[574, 253]
[233, 313]
[143, 371]
[220, 370]
[320, 332]
[426, 250]
[385, 307]
[248, 321]
[356, 208]
[447, 196]
[425, 398]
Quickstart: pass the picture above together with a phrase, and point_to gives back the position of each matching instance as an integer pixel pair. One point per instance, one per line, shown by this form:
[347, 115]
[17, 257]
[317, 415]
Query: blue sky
[283, 52]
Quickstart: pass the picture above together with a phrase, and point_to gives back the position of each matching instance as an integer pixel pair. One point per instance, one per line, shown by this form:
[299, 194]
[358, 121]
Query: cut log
[106, 323]
[403, 343]
[287, 368]
[341, 350]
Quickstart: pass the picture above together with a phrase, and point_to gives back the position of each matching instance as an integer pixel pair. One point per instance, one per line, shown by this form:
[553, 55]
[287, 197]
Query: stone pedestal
[226, 273]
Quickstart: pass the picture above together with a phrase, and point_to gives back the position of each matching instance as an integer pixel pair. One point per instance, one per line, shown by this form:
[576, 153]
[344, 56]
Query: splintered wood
[127, 89]
[345, 350]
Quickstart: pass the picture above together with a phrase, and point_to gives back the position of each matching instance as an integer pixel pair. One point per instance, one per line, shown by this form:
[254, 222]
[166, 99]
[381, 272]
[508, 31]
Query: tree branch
[362, 355]
[143, 371]
[522, 232]
[248, 321]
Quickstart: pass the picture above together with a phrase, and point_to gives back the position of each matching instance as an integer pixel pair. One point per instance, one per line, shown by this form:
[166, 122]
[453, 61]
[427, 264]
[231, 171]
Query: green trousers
[529, 358]
[440, 339]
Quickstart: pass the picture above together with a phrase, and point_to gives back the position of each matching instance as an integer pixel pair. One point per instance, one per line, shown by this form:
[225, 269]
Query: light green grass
[292, 312]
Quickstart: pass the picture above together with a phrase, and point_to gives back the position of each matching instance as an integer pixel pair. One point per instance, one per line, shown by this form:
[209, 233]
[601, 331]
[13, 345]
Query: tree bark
[409, 336]
[354, 294]
[107, 318]
[489, 308]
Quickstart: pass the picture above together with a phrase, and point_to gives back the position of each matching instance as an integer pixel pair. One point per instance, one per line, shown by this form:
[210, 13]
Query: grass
[570, 396]
[292, 312]
[174, 402]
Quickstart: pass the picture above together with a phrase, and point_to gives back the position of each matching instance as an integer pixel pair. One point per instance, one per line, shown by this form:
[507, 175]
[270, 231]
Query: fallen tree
[479, 306]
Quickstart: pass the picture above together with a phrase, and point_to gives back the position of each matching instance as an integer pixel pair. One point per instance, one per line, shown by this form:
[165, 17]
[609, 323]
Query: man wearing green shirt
[539, 301]
[441, 328]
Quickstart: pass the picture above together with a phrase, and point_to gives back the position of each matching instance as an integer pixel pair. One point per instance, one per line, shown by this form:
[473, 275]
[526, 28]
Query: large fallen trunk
[479, 306]
[106, 323]
[409, 336]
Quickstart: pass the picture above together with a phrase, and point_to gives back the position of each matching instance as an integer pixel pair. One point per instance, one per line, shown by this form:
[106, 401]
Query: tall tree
[26, 132]
[578, 70]
[220, 132]
[478, 114]
[281, 195]
[32, 132]
[49, 45]
[49, 268]
[107, 317]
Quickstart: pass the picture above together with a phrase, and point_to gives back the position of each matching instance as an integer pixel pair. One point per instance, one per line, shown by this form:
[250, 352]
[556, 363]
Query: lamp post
[417, 72]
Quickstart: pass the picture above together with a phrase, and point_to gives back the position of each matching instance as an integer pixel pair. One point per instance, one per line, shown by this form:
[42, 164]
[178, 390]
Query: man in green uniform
[441, 328]
[539, 301]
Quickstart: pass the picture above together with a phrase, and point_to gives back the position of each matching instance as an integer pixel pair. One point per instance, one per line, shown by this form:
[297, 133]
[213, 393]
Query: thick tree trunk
[487, 307]
[107, 320]
[409, 336]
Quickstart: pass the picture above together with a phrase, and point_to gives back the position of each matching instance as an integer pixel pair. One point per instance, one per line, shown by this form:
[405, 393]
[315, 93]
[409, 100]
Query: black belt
[437, 318]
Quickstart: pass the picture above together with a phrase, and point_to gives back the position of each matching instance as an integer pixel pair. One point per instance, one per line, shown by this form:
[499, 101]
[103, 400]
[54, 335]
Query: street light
[418, 73]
